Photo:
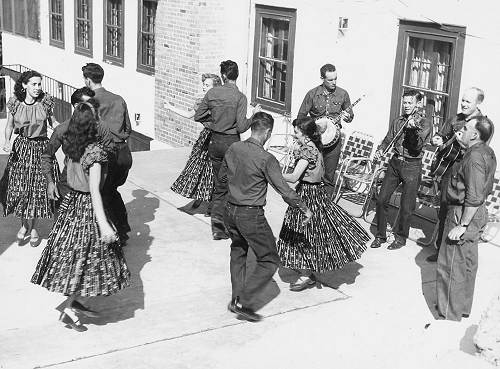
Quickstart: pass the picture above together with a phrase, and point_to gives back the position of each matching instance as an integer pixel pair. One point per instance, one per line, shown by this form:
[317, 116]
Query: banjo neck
[338, 118]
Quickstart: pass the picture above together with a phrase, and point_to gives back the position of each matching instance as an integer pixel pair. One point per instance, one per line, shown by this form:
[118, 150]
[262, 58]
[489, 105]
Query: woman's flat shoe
[196, 204]
[80, 308]
[301, 286]
[34, 240]
[21, 234]
[75, 325]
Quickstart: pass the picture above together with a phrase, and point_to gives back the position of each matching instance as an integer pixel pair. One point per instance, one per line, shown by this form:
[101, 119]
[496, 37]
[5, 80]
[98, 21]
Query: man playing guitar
[328, 100]
[469, 108]
[409, 133]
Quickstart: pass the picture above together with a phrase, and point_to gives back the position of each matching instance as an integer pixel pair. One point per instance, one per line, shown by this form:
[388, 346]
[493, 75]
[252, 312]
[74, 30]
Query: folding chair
[281, 144]
[493, 206]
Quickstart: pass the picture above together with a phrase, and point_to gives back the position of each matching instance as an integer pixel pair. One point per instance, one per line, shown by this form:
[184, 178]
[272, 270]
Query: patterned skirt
[23, 182]
[196, 180]
[329, 241]
[75, 261]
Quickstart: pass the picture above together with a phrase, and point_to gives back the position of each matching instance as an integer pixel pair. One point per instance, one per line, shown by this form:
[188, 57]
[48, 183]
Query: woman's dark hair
[19, 90]
[308, 127]
[77, 95]
[82, 131]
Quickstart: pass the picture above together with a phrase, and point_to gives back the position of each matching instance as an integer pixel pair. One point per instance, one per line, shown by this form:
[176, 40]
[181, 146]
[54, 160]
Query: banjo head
[330, 132]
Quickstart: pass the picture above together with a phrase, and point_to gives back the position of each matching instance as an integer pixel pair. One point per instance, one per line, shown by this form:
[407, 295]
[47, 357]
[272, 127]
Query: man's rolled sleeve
[275, 178]
[202, 109]
[346, 105]
[475, 179]
[242, 123]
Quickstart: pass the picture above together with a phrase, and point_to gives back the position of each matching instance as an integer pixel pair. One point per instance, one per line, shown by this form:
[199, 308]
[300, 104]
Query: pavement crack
[189, 334]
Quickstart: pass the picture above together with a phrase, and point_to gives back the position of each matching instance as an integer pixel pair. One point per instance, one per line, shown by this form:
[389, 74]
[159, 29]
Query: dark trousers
[118, 168]
[443, 206]
[217, 148]
[405, 172]
[331, 158]
[248, 227]
[457, 265]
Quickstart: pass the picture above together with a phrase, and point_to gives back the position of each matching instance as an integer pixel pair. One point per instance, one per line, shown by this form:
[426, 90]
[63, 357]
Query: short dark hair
[229, 68]
[326, 68]
[412, 92]
[262, 121]
[94, 72]
[485, 127]
[76, 97]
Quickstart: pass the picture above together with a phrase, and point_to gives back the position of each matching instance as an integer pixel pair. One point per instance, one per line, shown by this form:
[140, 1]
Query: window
[113, 31]
[56, 23]
[83, 27]
[429, 59]
[146, 36]
[21, 17]
[273, 57]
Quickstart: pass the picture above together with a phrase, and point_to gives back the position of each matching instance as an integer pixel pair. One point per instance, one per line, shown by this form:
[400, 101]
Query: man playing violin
[469, 108]
[328, 100]
[408, 133]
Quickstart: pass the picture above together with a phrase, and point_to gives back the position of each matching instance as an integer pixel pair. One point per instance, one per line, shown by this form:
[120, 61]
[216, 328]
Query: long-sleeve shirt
[455, 124]
[472, 179]
[113, 113]
[104, 138]
[247, 169]
[321, 102]
[410, 142]
[228, 108]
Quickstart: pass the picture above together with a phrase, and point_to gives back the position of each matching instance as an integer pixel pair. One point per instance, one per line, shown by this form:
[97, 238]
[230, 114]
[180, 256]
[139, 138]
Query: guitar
[446, 155]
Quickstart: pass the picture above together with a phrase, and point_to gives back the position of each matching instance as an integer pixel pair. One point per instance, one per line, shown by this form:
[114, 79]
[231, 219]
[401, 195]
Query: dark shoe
[196, 204]
[80, 308]
[219, 235]
[243, 313]
[232, 306]
[301, 286]
[432, 258]
[396, 244]
[75, 325]
[207, 214]
[377, 242]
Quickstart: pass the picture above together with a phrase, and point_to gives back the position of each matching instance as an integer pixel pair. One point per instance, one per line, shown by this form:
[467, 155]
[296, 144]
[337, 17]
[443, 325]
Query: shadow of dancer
[141, 210]
[428, 278]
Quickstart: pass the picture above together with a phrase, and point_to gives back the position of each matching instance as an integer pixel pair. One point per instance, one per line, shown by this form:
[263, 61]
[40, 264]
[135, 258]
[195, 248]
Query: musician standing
[409, 133]
[328, 100]
[469, 185]
[469, 108]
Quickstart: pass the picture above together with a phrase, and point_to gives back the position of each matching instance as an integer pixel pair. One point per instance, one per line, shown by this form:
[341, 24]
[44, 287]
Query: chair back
[358, 144]
[493, 200]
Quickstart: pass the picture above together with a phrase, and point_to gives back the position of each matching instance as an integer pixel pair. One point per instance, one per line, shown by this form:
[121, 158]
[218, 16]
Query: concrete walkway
[371, 314]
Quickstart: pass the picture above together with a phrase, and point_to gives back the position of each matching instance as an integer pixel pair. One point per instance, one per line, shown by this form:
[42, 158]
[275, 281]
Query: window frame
[431, 31]
[27, 32]
[114, 60]
[54, 42]
[147, 69]
[79, 49]
[278, 13]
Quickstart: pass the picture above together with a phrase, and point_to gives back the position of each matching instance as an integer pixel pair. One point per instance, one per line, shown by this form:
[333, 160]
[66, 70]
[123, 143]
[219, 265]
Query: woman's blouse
[31, 120]
[315, 168]
[78, 171]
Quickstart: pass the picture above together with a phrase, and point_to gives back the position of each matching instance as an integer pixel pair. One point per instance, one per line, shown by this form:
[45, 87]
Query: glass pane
[274, 33]
[33, 19]
[273, 81]
[7, 15]
[19, 14]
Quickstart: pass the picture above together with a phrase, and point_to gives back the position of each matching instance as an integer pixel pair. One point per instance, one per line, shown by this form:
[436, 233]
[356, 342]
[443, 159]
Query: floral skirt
[196, 180]
[329, 241]
[75, 260]
[24, 187]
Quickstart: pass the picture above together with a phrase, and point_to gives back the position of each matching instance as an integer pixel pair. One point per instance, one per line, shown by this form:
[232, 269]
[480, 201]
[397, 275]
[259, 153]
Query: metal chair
[281, 144]
[492, 203]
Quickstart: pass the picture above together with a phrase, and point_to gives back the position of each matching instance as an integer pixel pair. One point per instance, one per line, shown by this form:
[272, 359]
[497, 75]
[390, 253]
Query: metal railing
[60, 91]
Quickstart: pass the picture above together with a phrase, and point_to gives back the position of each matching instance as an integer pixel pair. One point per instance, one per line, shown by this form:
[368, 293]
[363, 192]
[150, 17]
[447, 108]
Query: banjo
[330, 126]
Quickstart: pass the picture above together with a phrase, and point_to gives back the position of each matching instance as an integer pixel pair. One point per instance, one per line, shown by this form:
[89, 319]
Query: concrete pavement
[174, 314]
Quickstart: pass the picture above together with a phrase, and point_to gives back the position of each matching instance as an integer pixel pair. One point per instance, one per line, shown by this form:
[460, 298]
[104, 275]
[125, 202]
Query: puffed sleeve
[308, 153]
[93, 154]
[48, 104]
[12, 105]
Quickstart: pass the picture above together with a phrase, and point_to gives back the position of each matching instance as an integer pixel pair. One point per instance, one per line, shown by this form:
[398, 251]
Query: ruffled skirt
[196, 180]
[24, 187]
[75, 260]
[329, 241]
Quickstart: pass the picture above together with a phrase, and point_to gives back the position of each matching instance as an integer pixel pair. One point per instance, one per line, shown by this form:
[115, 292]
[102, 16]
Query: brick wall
[189, 40]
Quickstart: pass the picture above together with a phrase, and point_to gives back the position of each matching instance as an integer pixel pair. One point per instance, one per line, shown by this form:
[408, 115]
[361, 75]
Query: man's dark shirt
[472, 180]
[247, 169]
[104, 139]
[113, 113]
[228, 108]
[410, 142]
[455, 124]
[320, 102]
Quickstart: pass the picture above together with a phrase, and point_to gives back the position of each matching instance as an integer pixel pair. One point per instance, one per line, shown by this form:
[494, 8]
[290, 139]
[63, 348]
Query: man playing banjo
[329, 101]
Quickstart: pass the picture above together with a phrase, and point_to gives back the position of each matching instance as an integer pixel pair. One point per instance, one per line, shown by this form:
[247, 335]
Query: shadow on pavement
[428, 278]
[467, 343]
[141, 210]
[189, 209]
